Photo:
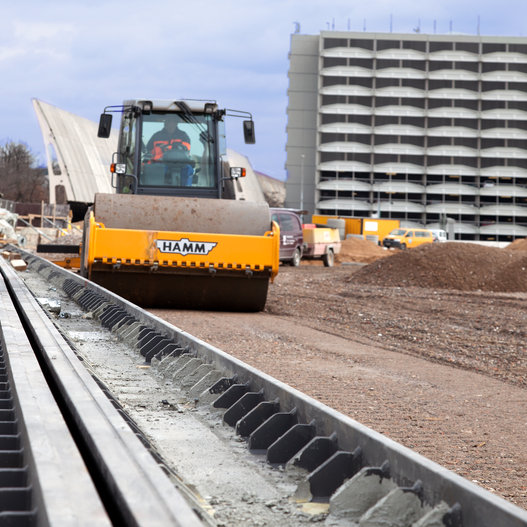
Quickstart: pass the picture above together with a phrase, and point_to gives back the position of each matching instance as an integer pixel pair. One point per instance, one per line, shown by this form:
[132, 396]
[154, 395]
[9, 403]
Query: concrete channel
[270, 455]
[84, 465]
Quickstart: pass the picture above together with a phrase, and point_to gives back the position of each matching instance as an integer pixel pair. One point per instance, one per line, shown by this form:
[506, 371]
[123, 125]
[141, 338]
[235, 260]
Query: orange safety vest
[157, 151]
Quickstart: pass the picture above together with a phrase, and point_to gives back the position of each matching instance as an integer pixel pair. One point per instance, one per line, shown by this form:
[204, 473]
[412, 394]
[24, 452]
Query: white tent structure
[78, 161]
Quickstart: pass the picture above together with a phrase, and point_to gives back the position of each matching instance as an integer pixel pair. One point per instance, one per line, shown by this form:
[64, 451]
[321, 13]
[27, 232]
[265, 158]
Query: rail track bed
[206, 439]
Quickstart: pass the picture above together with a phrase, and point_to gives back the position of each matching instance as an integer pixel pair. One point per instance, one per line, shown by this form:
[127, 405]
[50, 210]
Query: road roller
[173, 234]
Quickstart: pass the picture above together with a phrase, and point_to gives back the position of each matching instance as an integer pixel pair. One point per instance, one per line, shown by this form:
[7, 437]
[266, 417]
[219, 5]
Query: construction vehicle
[172, 235]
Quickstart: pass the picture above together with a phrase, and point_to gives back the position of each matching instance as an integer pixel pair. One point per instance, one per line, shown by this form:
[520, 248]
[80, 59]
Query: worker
[172, 145]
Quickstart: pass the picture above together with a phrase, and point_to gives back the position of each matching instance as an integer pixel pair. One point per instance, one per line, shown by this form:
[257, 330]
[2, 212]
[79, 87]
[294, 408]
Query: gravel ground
[424, 346]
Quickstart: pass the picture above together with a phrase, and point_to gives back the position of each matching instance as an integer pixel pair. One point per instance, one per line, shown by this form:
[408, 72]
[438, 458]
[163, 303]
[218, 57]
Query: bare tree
[20, 179]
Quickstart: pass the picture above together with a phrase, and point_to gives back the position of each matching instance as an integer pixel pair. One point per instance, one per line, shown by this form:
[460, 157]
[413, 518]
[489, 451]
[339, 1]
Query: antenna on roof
[297, 27]
[391, 23]
[364, 25]
[450, 25]
[435, 26]
[349, 24]
[478, 25]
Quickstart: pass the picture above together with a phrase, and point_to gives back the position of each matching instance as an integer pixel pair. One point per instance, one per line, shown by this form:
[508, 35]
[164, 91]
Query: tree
[20, 179]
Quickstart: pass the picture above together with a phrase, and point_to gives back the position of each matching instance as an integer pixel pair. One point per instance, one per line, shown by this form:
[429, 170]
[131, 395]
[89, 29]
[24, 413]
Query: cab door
[290, 233]
[409, 239]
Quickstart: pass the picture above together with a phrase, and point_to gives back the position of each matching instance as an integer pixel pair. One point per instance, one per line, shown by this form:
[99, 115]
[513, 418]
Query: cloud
[84, 55]
[41, 32]
[10, 53]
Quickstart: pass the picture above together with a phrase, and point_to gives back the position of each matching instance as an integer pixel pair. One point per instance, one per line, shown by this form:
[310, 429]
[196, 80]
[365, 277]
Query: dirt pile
[460, 266]
[360, 250]
[518, 245]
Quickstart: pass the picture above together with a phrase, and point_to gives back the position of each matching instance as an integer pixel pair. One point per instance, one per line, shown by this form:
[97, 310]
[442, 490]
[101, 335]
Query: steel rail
[134, 489]
[340, 456]
[43, 479]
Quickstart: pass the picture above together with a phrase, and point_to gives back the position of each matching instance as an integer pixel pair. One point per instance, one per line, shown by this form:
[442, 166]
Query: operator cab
[172, 148]
[177, 153]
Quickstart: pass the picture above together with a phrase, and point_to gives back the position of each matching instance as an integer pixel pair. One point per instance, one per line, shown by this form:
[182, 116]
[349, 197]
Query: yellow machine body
[178, 233]
[179, 269]
[156, 250]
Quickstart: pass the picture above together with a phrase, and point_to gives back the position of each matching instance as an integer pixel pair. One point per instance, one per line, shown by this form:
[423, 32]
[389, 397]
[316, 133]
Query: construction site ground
[427, 346]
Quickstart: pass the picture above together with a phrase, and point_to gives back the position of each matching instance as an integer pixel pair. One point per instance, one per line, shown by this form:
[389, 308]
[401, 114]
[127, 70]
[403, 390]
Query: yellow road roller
[173, 235]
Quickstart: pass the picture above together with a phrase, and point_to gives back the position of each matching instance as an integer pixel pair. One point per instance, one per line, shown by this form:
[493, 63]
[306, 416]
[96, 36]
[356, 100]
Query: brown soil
[426, 346]
[518, 245]
[461, 266]
[362, 251]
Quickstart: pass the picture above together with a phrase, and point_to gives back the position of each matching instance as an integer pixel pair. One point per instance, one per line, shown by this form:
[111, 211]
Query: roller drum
[180, 288]
[169, 213]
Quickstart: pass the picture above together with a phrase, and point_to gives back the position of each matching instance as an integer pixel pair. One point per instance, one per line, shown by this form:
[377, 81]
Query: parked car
[439, 235]
[407, 238]
[291, 237]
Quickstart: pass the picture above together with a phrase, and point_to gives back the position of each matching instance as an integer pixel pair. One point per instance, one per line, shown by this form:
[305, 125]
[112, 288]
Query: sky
[84, 55]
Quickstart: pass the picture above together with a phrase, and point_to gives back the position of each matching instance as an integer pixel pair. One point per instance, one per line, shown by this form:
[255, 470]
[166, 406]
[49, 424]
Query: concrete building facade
[427, 129]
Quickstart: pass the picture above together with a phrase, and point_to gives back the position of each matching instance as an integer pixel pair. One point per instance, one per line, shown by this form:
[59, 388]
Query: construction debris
[8, 221]
[19, 265]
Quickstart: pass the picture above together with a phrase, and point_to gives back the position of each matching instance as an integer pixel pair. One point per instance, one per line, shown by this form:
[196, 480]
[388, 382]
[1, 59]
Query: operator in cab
[171, 146]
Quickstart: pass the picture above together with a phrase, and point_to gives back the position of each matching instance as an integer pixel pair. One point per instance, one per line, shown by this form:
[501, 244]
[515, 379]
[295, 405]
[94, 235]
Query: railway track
[68, 458]
[365, 478]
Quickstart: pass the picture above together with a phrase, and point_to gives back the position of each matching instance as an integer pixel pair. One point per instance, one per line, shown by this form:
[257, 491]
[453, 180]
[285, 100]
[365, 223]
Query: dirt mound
[461, 266]
[360, 250]
[518, 245]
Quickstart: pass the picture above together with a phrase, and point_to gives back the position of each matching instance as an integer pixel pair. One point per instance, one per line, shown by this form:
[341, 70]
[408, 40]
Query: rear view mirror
[105, 125]
[248, 132]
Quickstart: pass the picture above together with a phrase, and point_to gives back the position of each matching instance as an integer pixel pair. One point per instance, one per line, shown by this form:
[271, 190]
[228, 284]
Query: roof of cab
[171, 106]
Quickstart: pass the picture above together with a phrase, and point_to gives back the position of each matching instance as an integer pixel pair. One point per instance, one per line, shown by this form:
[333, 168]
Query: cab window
[287, 223]
[177, 152]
